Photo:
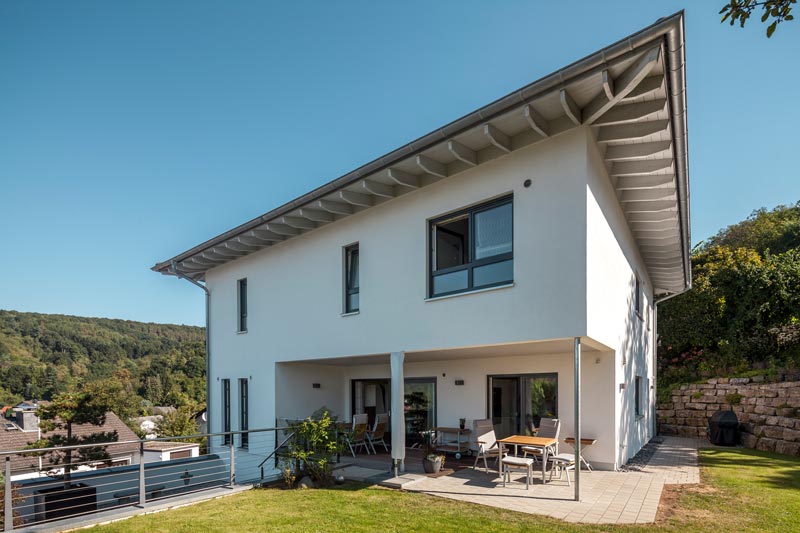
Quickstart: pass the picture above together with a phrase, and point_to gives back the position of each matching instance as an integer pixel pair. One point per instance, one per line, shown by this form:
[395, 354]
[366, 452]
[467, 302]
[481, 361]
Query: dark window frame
[241, 305]
[226, 410]
[637, 298]
[244, 412]
[470, 212]
[637, 396]
[519, 377]
[349, 290]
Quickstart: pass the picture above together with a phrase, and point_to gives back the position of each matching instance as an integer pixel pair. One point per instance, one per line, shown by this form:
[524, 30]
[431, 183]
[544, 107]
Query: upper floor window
[637, 295]
[242, 298]
[351, 285]
[473, 248]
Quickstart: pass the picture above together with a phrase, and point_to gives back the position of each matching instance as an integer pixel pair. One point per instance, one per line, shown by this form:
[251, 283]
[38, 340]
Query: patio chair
[487, 443]
[378, 432]
[548, 428]
[563, 462]
[517, 463]
[358, 436]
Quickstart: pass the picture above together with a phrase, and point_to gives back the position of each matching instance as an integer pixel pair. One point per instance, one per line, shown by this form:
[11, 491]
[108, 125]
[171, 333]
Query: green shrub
[315, 443]
[734, 398]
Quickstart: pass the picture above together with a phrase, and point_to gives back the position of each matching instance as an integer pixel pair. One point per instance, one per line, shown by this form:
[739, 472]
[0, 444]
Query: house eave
[389, 176]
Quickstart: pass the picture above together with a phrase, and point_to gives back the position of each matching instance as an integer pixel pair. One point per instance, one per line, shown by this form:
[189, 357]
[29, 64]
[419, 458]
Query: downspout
[177, 273]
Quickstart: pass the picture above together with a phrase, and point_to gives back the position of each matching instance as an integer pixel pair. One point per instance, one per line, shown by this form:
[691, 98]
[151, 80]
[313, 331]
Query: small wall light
[316, 385]
[597, 361]
[459, 382]
[621, 386]
[526, 183]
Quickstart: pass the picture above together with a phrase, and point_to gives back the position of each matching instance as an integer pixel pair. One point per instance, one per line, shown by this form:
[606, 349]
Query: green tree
[63, 413]
[180, 422]
[775, 10]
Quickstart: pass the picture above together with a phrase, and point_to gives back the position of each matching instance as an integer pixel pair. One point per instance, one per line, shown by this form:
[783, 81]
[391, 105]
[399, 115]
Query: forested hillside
[743, 313]
[150, 364]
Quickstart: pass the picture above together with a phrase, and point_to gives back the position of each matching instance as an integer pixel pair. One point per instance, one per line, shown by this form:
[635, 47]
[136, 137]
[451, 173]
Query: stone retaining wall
[769, 413]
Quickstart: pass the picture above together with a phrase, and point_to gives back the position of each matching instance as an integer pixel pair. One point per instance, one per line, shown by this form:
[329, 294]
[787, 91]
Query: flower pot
[431, 466]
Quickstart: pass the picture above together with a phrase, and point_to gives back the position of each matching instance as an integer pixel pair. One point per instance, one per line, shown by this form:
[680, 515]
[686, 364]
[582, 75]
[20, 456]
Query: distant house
[505, 266]
[25, 431]
[168, 451]
[147, 425]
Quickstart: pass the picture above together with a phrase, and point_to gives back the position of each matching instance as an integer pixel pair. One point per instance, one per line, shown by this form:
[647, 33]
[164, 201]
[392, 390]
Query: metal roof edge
[670, 27]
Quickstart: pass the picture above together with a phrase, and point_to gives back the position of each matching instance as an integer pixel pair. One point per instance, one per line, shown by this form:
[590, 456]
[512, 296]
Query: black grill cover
[723, 428]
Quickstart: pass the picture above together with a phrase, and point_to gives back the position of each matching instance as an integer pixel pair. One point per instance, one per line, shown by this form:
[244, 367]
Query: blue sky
[131, 131]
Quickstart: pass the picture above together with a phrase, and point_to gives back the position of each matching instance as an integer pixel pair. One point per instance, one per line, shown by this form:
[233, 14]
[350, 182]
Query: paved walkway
[607, 497]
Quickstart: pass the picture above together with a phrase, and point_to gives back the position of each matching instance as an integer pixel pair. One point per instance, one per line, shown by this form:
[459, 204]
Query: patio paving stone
[607, 497]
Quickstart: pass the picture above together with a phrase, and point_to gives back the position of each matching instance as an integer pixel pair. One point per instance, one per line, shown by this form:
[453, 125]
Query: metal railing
[39, 487]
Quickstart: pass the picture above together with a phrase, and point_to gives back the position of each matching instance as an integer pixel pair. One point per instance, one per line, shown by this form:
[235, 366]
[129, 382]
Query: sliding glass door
[420, 408]
[373, 397]
[518, 402]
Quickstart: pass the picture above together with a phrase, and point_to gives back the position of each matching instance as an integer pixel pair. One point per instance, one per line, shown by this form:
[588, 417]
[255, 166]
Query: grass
[742, 490]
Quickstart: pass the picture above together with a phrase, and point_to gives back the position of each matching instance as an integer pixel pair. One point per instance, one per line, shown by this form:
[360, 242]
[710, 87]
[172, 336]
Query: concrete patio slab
[607, 497]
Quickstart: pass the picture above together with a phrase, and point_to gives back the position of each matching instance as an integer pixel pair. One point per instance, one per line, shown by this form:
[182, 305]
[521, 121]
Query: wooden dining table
[542, 443]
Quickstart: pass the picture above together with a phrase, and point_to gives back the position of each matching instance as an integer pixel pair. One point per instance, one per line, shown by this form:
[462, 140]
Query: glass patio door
[373, 397]
[420, 408]
[504, 405]
[518, 403]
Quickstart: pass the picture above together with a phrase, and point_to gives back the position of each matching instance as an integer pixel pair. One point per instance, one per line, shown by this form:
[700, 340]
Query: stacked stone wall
[769, 413]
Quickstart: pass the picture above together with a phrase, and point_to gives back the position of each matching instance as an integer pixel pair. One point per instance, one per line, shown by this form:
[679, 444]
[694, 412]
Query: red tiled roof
[17, 440]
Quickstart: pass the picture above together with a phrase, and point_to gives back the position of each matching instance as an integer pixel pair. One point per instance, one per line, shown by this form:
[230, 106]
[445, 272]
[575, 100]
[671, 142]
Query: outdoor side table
[457, 445]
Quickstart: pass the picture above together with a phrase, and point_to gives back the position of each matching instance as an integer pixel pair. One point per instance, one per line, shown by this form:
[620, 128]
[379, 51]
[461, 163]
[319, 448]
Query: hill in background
[155, 364]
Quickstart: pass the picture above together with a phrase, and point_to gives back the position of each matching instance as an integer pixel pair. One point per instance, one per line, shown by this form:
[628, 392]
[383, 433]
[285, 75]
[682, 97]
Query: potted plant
[432, 460]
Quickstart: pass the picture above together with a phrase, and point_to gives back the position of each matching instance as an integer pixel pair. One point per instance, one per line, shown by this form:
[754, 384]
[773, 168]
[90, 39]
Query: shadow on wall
[635, 427]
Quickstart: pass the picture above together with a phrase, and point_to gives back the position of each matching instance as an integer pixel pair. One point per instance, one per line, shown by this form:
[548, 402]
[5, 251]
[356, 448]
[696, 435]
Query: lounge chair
[358, 436]
[378, 432]
[487, 443]
[548, 428]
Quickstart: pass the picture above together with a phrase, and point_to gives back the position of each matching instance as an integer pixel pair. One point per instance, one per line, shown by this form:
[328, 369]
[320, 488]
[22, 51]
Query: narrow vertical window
[637, 396]
[244, 412]
[226, 409]
[351, 284]
[637, 296]
[242, 290]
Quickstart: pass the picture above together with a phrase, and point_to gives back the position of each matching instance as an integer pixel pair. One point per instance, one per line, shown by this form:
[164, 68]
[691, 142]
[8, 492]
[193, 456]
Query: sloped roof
[17, 440]
[632, 95]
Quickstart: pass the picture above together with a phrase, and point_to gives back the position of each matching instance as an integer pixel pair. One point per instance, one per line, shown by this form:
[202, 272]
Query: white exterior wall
[295, 287]
[613, 260]
[469, 400]
[569, 218]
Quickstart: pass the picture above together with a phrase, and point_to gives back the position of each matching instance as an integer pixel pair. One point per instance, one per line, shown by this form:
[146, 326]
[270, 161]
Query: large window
[517, 403]
[226, 409]
[351, 284]
[244, 423]
[472, 249]
[242, 297]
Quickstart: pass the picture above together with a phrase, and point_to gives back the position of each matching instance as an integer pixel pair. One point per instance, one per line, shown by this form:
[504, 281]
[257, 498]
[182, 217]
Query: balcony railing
[40, 487]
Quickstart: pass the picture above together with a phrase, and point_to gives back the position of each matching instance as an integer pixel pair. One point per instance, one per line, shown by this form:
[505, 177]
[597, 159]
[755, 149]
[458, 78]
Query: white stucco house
[460, 275]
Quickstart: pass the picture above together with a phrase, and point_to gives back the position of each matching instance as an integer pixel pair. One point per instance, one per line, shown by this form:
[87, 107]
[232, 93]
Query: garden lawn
[742, 490]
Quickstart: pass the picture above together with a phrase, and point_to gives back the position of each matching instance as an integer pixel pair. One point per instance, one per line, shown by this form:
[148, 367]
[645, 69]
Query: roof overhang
[632, 94]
